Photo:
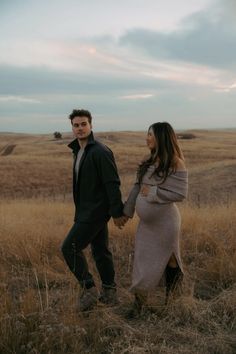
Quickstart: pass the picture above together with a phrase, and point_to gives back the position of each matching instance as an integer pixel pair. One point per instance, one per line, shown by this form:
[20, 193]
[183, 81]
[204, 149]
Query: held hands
[121, 221]
[144, 190]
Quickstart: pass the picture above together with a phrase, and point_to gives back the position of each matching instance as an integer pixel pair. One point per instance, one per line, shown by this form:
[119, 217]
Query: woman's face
[151, 140]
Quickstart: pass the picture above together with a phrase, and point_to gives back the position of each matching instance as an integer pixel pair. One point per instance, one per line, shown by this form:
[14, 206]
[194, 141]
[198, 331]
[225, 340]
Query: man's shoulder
[100, 148]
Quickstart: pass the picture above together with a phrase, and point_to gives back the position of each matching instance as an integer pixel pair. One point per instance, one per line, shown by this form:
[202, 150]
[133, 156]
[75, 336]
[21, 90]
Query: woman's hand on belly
[144, 190]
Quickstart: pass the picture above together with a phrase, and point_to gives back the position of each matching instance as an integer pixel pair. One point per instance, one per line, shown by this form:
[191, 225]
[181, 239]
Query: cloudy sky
[130, 62]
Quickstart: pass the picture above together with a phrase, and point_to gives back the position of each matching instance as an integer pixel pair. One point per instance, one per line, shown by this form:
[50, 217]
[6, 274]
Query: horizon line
[118, 131]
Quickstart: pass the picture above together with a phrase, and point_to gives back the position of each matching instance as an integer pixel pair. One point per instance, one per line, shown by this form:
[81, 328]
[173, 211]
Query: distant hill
[34, 165]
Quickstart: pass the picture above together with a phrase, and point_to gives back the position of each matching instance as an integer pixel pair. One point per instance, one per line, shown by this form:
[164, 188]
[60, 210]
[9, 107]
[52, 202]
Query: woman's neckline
[154, 166]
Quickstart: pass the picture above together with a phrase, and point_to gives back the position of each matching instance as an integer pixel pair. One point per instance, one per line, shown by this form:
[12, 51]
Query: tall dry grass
[38, 294]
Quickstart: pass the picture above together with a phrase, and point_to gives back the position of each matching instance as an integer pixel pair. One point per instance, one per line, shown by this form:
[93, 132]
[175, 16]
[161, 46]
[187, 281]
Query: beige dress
[158, 232]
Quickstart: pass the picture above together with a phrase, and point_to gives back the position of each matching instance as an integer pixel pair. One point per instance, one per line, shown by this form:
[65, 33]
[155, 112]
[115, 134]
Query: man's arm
[111, 182]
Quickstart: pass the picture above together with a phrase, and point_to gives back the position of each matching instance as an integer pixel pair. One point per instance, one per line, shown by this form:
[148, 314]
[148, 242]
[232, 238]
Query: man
[97, 197]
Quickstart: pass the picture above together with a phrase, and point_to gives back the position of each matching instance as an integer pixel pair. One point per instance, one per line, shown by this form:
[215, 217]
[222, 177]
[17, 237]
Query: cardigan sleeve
[163, 196]
[174, 189]
[129, 206]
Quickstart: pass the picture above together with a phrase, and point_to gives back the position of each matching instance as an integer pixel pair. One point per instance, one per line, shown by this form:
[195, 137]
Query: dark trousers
[79, 237]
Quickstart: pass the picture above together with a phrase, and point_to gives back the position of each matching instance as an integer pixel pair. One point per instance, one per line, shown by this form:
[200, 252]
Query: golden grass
[38, 294]
[41, 166]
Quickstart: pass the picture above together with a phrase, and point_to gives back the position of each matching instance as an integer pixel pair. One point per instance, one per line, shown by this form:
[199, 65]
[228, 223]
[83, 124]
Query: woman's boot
[140, 300]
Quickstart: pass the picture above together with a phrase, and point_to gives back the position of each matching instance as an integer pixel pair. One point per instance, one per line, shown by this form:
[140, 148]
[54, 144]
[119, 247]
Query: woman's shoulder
[144, 159]
[180, 164]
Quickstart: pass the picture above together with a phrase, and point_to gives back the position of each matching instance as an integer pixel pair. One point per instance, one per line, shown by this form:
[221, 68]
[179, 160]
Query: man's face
[81, 127]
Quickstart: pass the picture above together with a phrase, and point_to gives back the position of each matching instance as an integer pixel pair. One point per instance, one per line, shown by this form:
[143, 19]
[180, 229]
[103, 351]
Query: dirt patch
[8, 150]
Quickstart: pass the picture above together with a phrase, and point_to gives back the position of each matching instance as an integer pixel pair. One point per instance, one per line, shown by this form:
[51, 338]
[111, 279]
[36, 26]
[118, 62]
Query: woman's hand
[144, 190]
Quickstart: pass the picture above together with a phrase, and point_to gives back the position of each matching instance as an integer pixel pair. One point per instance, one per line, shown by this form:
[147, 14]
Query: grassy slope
[31, 168]
[38, 295]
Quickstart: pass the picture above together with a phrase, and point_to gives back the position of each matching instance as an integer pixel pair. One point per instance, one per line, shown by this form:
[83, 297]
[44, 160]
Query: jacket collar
[74, 145]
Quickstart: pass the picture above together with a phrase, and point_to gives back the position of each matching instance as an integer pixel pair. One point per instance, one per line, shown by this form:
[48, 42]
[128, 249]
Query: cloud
[183, 72]
[17, 81]
[98, 67]
[228, 7]
[226, 88]
[204, 38]
[19, 99]
[139, 96]
[63, 19]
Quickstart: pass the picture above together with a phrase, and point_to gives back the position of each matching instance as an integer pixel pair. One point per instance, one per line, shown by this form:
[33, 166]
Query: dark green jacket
[96, 193]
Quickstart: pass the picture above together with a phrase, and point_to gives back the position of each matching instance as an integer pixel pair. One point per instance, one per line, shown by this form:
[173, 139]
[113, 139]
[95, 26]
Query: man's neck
[83, 143]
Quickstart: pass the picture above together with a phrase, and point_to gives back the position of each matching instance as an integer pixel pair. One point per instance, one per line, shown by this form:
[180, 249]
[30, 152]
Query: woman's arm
[129, 205]
[174, 189]
[163, 196]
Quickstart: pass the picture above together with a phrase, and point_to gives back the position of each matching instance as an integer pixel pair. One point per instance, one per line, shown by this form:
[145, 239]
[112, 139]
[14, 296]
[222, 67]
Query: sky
[130, 62]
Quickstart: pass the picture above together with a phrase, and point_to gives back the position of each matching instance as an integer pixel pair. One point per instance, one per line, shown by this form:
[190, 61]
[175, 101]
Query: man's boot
[88, 299]
[109, 296]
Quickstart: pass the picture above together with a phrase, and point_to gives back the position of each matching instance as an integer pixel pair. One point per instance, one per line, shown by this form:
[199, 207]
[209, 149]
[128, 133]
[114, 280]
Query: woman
[161, 181]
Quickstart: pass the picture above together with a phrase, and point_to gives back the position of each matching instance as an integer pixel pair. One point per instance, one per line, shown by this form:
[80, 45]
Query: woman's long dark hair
[165, 153]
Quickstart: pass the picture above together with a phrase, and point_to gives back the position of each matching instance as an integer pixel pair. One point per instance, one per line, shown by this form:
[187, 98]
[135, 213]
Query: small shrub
[57, 135]
[186, 136]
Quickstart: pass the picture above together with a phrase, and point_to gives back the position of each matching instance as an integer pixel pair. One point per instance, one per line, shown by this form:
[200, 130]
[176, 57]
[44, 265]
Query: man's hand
[121, 221]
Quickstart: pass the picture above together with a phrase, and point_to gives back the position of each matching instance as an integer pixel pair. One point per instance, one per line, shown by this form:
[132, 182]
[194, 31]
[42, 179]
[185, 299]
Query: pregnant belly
[155, 214]
[146, 211]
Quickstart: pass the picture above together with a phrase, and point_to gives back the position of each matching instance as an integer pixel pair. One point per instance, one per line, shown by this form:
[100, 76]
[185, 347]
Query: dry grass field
[38, 294]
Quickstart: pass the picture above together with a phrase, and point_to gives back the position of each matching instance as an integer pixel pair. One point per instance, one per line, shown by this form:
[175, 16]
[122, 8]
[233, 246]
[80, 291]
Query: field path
[8, 150]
